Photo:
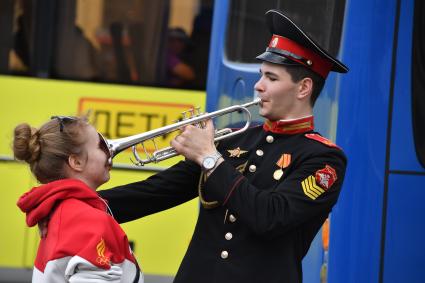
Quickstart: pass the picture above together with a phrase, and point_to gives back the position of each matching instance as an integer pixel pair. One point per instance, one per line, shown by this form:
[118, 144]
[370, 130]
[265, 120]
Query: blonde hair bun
[26, 143]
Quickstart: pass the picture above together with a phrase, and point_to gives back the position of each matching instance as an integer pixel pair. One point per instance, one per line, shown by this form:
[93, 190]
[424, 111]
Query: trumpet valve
[191, 112]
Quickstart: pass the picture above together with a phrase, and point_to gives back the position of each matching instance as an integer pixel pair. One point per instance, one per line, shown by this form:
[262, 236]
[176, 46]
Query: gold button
[228, 236]
[270, 139]
[252, 168]
[232, 218]
[259, 152]
[224, 254]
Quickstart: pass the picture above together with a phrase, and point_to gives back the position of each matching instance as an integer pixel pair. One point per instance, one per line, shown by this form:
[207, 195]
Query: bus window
[139, 42]
[418, 84]
[320, 18]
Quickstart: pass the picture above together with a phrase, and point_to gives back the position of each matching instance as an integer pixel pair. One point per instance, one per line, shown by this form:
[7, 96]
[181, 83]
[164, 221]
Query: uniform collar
[291, 126]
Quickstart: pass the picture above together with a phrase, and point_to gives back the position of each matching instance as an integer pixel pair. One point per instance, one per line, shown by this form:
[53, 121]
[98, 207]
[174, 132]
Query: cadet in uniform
[264, 193]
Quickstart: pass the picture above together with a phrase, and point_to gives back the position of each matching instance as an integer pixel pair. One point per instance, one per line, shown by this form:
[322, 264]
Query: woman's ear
[76, 163]
[305, 88]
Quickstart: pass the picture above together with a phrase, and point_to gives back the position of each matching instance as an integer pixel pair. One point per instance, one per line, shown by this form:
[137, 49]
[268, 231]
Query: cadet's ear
[305, 88]
[76, 163]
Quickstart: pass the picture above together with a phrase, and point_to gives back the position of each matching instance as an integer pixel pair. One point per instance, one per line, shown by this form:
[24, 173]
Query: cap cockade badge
[274, 42]
[236, 152]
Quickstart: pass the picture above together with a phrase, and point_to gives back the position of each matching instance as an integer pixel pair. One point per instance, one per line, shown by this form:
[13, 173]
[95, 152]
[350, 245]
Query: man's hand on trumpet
[197, 144]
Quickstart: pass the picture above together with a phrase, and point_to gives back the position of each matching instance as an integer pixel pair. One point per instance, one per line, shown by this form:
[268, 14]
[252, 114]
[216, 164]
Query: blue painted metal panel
[327, 106]
[405, 230]
[313, 260]
[225, 79]
[215, 63]
[404, 252]
[403, 154]
[233, 77]
[354, 254]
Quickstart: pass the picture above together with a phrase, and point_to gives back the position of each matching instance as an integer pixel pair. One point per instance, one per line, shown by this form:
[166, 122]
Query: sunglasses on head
[103, 143]
[64, 120]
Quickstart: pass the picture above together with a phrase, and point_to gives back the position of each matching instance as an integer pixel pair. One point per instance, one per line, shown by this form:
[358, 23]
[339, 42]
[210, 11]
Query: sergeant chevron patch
[310, 188]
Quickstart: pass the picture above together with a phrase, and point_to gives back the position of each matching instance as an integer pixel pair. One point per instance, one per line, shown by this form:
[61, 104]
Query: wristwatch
[210, 161]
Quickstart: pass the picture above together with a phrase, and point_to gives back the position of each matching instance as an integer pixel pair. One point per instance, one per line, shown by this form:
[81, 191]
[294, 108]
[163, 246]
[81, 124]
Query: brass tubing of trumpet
[118, 145]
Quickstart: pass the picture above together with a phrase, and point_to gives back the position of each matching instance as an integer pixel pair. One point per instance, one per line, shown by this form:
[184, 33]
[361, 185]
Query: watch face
[208, 163]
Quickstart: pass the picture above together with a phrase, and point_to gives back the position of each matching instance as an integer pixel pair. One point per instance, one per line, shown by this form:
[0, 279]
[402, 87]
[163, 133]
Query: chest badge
[283, 162]
[236, 152]
[277, 174]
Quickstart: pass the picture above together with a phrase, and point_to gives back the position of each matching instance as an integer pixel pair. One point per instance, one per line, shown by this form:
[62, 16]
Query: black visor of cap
[276, 58]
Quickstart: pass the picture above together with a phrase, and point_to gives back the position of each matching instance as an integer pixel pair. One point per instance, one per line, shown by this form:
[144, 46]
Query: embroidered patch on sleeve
[310, 188]
[326, 177]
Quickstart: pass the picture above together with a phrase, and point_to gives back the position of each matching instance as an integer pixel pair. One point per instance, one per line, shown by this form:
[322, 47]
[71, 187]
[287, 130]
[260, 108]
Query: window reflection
[119, 41]
[321, 19]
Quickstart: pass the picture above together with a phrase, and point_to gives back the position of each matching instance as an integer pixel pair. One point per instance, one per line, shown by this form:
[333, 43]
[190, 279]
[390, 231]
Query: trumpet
[118, 145]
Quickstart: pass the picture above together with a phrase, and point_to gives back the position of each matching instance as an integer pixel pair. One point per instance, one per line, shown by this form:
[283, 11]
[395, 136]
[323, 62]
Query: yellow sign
[118, 118]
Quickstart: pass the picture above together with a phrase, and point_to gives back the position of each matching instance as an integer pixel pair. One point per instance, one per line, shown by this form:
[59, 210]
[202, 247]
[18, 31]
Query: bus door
[240, 34]
[402, 249]
[378, 231]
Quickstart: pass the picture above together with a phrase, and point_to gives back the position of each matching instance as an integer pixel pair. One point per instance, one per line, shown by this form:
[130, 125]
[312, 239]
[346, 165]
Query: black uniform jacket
[254, 224]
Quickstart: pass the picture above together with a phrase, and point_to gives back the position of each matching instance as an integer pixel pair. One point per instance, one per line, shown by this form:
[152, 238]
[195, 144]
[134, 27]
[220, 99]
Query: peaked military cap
[290, 45]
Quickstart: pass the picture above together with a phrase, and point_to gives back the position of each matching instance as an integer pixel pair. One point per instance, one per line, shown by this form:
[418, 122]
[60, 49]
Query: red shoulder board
[321, 139]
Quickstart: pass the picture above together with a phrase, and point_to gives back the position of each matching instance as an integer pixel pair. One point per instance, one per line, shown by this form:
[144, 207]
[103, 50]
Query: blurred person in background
[179, 73]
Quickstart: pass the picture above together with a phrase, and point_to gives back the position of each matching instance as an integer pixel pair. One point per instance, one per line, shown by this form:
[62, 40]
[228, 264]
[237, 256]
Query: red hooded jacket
[82, 241]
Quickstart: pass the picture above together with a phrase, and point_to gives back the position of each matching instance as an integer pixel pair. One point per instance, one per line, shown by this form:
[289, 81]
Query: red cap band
[311, 60]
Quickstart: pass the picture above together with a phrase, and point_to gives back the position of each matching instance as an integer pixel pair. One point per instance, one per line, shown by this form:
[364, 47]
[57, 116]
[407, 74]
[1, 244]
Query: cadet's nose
[259, 86]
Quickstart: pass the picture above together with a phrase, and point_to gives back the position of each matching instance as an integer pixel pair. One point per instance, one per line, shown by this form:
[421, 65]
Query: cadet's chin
[262, 111]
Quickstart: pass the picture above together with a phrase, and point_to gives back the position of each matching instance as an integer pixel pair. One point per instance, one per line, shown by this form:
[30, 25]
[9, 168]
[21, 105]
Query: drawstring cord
[108, 209]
